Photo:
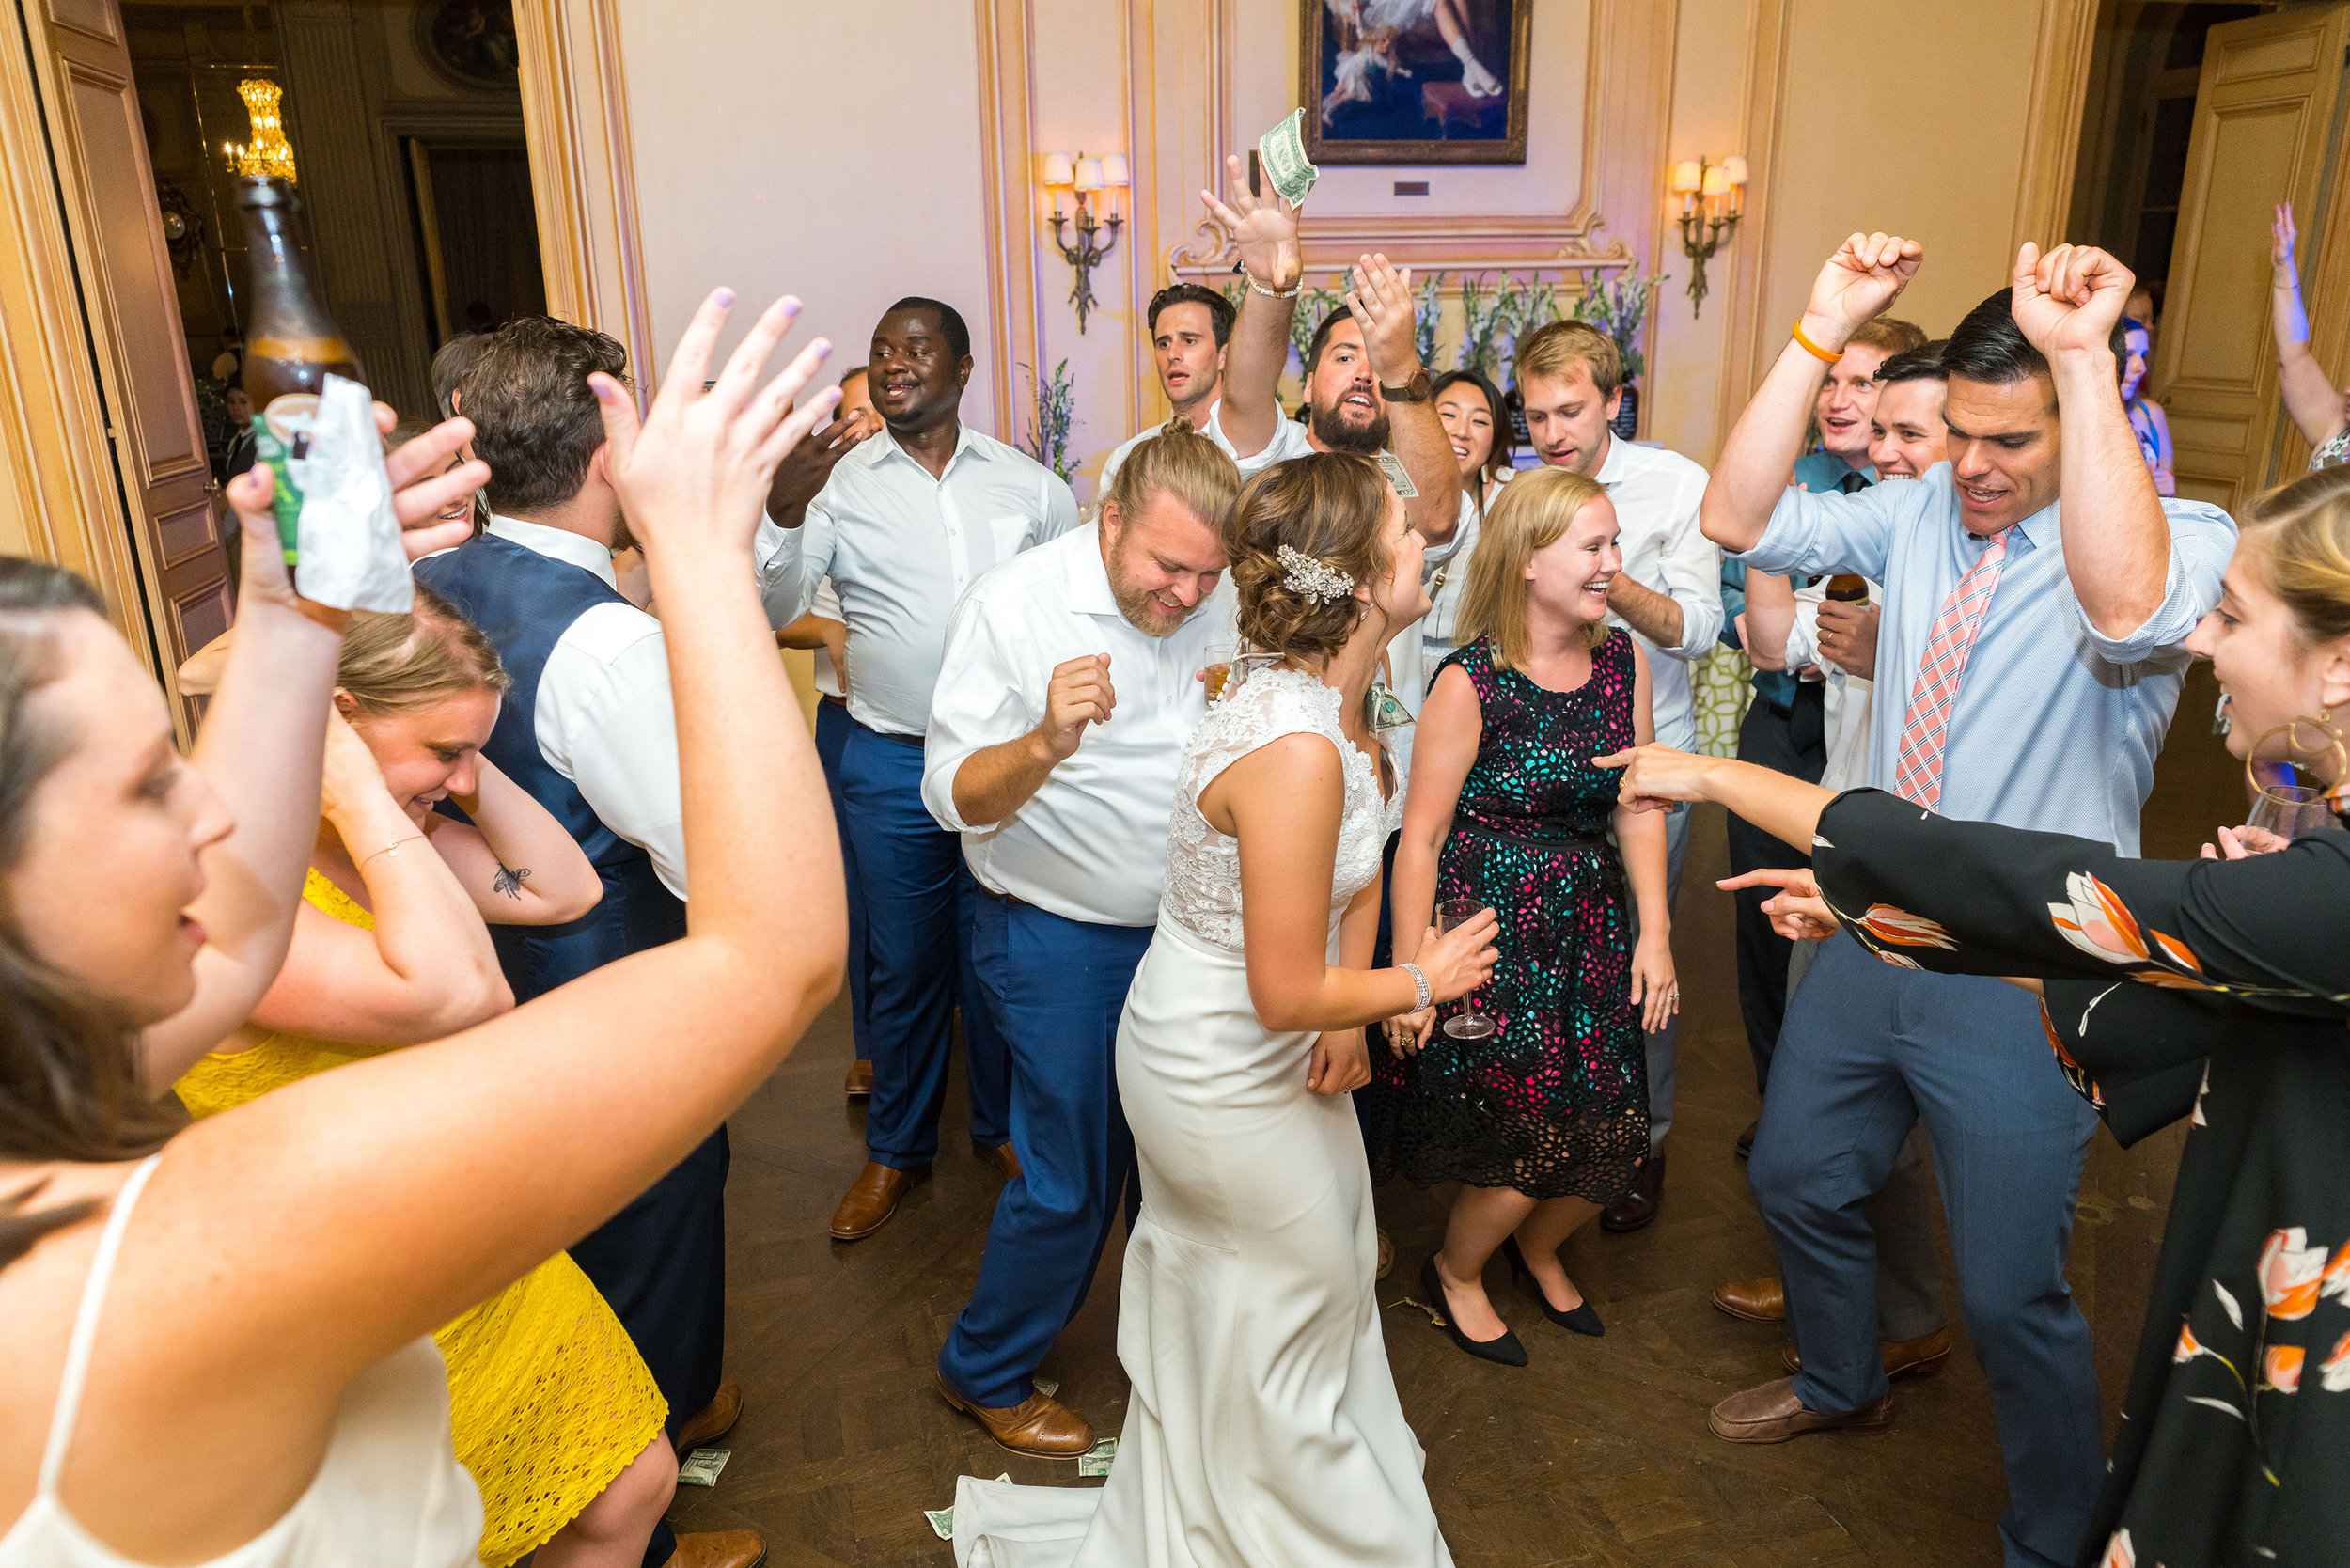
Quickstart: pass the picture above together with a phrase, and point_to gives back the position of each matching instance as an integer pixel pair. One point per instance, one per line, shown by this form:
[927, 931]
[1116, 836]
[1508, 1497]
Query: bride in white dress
[1264, 1427]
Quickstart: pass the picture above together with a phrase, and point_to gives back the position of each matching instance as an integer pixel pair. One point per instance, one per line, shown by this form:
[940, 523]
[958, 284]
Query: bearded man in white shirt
[1667, 595]
[1071, 681]
[1190, 330]
[902, 522]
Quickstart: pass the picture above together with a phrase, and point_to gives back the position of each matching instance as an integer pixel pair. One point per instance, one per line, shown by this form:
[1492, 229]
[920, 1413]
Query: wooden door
[123, 268]
[2268, 129]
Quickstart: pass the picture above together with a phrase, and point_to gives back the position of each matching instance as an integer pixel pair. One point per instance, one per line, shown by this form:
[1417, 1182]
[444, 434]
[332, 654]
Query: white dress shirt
[1656, 494]
[1119, 455]
[606, 719]
[1848, 697]
[827, 604]
[901, 547]
[1090, 844]
[1288, 440]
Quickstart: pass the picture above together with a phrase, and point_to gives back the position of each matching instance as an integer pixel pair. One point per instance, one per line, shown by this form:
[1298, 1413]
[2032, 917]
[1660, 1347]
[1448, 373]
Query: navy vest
[525, 602]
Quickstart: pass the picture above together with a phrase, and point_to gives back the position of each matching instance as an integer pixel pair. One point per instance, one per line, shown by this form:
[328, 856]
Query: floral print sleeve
[2212, 991]
[1972, 898]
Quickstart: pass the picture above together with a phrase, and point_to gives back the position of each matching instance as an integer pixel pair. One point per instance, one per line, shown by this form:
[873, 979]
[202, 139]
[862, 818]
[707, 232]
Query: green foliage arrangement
[1055, 413]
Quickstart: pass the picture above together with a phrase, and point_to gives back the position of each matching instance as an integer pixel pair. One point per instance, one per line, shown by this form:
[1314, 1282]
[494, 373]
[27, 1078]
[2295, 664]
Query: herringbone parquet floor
[1595, 1454]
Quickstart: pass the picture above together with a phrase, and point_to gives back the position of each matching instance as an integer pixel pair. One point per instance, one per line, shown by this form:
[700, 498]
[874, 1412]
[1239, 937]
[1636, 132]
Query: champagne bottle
[1848, 587]
[291, 343]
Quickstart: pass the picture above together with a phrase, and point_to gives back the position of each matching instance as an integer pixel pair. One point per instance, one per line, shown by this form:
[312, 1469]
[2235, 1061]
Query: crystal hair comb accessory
[1317, 580]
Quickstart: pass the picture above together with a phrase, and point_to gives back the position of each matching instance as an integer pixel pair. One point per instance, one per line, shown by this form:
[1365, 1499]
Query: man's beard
[1144, 614]
[1337, 436]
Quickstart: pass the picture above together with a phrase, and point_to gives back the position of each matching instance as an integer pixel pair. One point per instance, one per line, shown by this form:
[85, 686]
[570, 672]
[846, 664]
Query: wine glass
[2289, 811]
[1469, 1024]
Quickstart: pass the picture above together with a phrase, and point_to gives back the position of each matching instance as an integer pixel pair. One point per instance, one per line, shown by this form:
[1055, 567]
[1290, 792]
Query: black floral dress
[1554, 1103]
[2234, 1444]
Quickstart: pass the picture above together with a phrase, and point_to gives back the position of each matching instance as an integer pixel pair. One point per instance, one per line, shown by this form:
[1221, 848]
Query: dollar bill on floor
[942, 1521]
[1393, 466]
[1282, 152]
[702, 1466]
[1046, 1386]
[1096, 1460]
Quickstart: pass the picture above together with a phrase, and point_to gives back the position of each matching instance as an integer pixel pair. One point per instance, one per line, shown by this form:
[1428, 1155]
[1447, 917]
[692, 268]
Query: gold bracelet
[391, 849]
[1813, 348]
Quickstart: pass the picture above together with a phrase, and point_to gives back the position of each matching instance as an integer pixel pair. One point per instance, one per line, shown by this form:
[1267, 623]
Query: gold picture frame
[1376, 92]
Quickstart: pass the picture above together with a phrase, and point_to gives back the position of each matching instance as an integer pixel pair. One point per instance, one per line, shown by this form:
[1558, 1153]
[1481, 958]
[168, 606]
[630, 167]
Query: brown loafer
[1762, 1300]
[1002, 1157]
[1920, 1357]
[725, 1548]
[1773, 1414]
[1638, 1207]
[712, 1420]
[872, 1197]
[860, 1083]
[1039, 1426]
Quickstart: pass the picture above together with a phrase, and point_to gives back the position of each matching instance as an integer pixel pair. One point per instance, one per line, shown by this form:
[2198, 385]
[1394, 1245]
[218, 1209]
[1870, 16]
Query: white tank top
[388, 1494]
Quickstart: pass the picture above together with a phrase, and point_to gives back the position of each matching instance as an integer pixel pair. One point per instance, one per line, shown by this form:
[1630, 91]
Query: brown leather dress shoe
[872, 1197]
[1920, 1357]
[712, 1420]
[725, 1548]
[1040, 1426]
[1002, 1157]
[1762, 1300]
[860, 1084]
[1638, 1207]
[1773, 1414]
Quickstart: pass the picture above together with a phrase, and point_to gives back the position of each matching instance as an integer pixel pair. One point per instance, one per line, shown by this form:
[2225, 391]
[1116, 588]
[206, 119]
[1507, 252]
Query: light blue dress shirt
[2057, 725]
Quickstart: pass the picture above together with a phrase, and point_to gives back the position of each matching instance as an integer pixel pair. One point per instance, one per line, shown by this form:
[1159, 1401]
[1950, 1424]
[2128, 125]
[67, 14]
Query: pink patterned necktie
[1917, 768]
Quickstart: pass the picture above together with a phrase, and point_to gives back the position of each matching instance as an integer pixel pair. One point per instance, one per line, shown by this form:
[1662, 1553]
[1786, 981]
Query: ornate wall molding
[1007, 36]
[582, 172]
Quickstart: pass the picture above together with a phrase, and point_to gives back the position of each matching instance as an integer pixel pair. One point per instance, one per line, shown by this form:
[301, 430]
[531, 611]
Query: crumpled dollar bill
[702, 1466]
[1096, 1460]
[1282, 151]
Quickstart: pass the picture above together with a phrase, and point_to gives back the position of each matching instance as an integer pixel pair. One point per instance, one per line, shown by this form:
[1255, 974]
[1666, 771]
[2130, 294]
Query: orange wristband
[1813, 348]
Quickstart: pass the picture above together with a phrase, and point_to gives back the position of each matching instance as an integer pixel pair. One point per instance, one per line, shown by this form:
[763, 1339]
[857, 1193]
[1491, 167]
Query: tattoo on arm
[510, 882]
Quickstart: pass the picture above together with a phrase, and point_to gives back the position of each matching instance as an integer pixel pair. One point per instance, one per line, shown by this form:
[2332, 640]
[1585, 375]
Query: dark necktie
[1852, 483]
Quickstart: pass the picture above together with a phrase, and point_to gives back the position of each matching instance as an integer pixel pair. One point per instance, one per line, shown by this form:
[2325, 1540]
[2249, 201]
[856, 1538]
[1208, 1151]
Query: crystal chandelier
[268, 152]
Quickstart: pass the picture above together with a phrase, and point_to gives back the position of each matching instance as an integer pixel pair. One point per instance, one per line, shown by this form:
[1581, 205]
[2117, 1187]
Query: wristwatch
[1412, 391]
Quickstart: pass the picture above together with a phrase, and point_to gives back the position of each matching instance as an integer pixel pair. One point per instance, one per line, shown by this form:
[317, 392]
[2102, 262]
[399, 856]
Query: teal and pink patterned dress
[1554, 1103]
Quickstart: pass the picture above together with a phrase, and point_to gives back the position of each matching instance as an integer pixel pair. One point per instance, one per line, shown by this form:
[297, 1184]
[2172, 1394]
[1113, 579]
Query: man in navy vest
[590, 731]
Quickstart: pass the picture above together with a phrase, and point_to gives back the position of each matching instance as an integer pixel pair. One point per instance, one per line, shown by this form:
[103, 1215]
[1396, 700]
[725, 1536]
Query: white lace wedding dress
[1264, 1429]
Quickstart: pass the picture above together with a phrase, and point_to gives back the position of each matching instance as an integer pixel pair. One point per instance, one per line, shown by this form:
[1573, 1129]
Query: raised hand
[2070, 300]
[1381, 303]
[1860, 281]
[805, 470]
[1264, 229]
[692, 475]
[421, 493]
[351, 776]
[2281, 237]
[1079, 694]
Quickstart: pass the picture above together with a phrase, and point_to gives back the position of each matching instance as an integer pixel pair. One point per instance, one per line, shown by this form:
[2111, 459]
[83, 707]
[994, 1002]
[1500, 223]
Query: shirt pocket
[1010, 536]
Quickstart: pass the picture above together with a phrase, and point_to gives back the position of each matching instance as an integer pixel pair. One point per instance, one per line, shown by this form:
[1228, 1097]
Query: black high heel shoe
[1582, 1320]
[1506, 1351]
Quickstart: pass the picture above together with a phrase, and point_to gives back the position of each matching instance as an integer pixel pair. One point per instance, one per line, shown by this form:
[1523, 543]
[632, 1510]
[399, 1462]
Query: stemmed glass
[2283, 807]
[1469, 1024]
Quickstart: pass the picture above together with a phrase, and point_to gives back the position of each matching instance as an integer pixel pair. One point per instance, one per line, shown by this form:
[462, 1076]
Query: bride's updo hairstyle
[1328, 507]
[69, 1087]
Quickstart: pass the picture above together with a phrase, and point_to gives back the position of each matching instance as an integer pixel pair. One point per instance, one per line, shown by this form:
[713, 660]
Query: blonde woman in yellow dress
[554, 1413]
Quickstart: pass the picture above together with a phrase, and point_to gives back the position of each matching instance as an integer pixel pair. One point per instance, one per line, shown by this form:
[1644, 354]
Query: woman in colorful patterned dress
[2213, 990]
[554, 1413]
[1544, 1122]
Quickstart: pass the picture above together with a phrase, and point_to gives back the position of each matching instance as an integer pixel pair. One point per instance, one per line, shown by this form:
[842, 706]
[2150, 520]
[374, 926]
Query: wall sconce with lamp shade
[1713, 195]
[1096, 184]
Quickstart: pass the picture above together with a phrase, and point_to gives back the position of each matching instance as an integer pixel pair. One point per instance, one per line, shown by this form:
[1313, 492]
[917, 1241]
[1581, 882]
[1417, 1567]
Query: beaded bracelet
[1421, 980]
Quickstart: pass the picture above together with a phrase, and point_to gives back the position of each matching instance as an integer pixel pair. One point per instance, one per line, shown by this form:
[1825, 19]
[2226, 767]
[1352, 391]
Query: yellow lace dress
[548, 1398]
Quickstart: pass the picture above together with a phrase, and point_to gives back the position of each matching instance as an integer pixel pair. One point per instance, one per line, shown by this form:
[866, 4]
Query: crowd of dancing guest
[1309, 813]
